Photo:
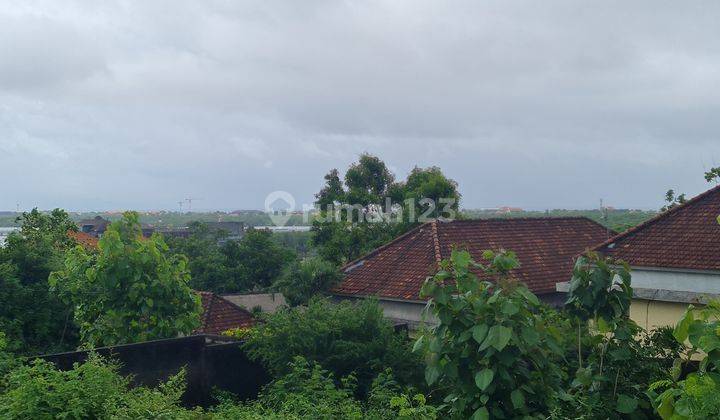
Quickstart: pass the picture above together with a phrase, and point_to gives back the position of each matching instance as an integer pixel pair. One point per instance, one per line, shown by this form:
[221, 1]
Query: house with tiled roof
[220, 315]
[394, 273]
[675, 260]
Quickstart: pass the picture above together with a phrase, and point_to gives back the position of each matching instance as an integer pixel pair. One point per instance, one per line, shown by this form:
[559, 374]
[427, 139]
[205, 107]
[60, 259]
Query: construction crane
[190, 201]
[180, 203]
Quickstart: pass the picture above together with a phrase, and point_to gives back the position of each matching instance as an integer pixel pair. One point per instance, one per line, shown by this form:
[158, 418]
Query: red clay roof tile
[220, 315]
[684, 237]
[546, 248]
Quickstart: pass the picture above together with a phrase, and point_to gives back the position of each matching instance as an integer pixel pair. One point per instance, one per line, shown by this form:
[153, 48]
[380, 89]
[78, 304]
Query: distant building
[220, 315]
[94, 227]
[88, 241]
[233, 230]
[505, 210]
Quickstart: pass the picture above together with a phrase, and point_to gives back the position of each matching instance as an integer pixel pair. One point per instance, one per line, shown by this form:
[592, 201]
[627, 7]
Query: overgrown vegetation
[345, 338]
[34, 318]
[130, 290]
[370, 208]
[221, 266]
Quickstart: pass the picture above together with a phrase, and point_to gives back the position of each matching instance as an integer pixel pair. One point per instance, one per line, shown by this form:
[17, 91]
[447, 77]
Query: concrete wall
[412, 312]
[676, 280]
[651, 314]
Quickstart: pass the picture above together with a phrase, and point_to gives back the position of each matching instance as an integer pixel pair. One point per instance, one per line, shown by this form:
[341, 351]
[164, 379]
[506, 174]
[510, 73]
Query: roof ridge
[206, 312]
[436, 241]
[500, 217]
[658, 217]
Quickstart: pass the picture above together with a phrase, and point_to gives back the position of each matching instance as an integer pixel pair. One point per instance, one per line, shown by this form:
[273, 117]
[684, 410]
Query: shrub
[491, 350]
[695, 396]
[94, 389]
[303, 279]
[131, 290]
[345, 338]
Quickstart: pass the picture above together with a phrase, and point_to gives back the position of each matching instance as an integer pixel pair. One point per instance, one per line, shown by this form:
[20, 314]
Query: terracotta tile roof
[220, 315]
[546, 248]
[88, 241]
[684, 237]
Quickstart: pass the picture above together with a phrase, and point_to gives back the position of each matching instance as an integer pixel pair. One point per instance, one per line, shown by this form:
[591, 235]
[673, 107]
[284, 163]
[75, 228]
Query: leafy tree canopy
[371, 208]
[302, 280]
[344, 338]
[35, 319]
[222, 266]
[131, 290]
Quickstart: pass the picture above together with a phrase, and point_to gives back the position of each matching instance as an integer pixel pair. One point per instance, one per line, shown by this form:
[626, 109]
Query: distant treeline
[616, 219]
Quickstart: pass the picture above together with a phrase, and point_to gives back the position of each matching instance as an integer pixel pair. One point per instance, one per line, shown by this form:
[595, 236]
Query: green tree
[34, 318]
[490, 350]
[210, 269]
[431, 183]
[131, 290]
[713, 175]
[693, 397]
[371, 208]
[673, 200]
[615, 358]
[257, 259]
[302, 280]
[344, 338]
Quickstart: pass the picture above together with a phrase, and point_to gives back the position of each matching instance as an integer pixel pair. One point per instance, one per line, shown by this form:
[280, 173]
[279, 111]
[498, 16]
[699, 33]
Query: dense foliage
[345, 338]
[92, 390]
[693, 396]
[222, 266]
[33, 317]
[370, 208]
[615, 359]
[302, 280]
[490, 350]
[131, 290]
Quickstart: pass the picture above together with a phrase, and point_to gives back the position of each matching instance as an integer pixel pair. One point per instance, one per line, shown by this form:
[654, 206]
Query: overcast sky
[537, 104]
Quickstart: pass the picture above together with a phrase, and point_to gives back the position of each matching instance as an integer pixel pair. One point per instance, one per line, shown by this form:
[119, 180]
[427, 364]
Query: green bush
[310, 392]
[695, 396]
[302, 280]
[91, 390]
[491, 352]
[131, 290]
[345, 338]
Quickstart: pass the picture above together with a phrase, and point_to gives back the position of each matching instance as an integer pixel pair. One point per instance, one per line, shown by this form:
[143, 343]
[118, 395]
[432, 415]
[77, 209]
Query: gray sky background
[537, 104]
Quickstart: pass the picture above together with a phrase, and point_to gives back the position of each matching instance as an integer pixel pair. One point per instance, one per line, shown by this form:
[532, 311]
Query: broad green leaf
[418, 344]
[626, 404]
[481, 414]
[518, 399]
[501, 336]
[509, 308]
[681, 330]
[484, 378]
[432, 373]
[530, 335]
[530, 296]
[479, 332]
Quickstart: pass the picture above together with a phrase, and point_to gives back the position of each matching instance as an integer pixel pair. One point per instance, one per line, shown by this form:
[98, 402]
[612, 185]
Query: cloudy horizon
[540, 105]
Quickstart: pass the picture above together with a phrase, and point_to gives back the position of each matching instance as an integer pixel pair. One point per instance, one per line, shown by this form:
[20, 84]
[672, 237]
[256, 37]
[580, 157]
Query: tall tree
[35, 319]
[371, 208]
[131, 290]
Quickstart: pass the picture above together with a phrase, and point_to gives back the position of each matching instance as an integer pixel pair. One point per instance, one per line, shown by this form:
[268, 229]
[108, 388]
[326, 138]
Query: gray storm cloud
[534, 104]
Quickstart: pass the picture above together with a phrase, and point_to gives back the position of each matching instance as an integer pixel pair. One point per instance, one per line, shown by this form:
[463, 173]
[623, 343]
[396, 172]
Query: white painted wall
[696, 282]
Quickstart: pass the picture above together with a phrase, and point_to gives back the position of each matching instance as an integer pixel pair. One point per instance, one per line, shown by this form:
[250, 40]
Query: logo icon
[279, 206]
